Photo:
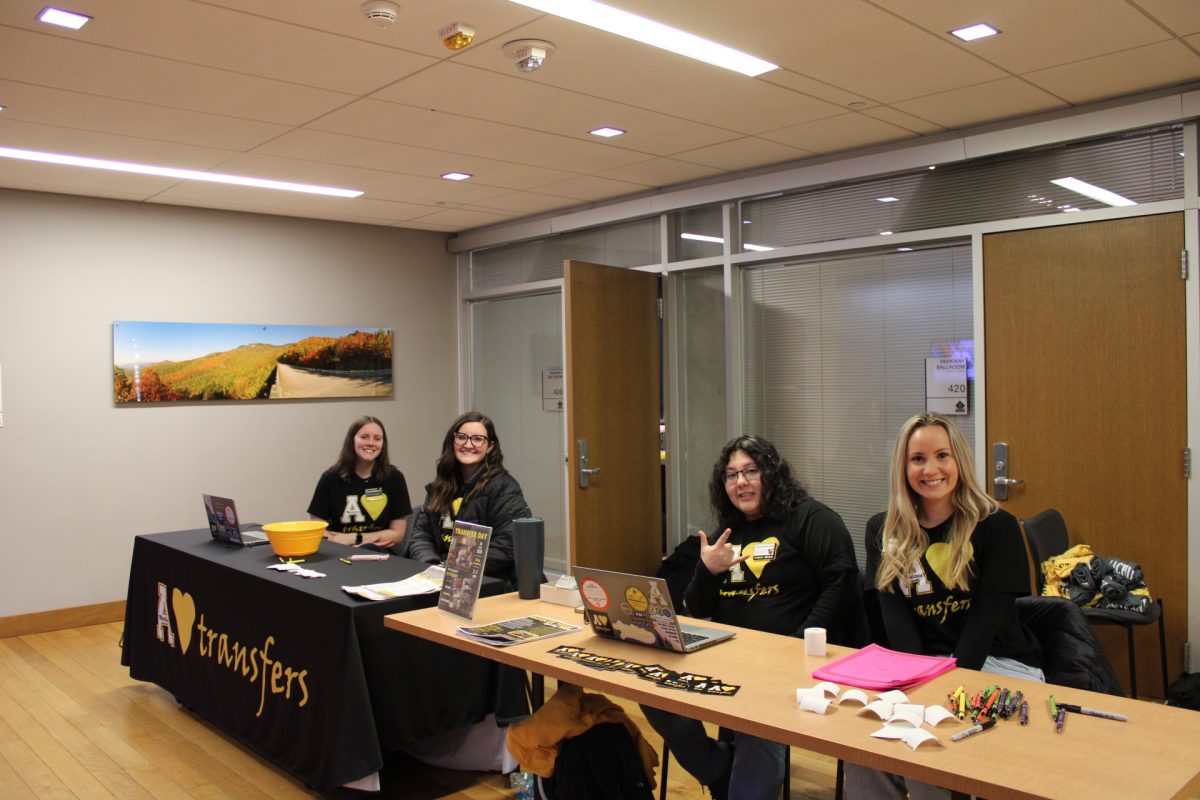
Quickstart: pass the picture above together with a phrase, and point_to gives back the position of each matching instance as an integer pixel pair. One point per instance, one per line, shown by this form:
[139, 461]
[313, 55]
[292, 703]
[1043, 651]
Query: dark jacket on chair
[1073, 656]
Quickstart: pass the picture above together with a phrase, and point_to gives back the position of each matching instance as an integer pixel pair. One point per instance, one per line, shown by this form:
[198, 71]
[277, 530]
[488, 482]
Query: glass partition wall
[786, 316]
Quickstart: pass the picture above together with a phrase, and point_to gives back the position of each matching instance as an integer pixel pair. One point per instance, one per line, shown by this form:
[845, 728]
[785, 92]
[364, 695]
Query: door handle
[1000, 479]
[585, 469]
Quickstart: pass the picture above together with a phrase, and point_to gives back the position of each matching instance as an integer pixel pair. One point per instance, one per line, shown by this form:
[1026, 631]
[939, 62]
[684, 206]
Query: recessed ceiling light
[456, 176]
[1095, 192]
[171, 172]
[64, 19]
[758, 248]
[972, 32]
[888, 199]
[607, 133]
[655, 34]
[699, 237]
[885, 233]
[904, 249]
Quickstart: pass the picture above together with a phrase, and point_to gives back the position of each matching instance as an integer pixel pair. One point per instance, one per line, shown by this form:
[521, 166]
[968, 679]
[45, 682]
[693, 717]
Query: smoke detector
[381, 13]
[528, 54]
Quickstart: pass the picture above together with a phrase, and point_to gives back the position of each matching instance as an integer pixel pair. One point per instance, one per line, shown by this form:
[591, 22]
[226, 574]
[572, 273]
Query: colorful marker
[1060, 719]
[1023, 713]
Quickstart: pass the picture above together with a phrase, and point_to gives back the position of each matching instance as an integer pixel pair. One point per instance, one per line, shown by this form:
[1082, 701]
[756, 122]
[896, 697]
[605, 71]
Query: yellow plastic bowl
[295, 539]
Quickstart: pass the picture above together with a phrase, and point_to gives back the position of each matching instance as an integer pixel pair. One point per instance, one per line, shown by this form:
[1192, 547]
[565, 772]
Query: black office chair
[725, 735]
[1046, 533]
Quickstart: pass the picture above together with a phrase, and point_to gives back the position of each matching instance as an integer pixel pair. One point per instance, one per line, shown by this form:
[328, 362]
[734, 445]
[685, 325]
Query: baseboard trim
[78, 617]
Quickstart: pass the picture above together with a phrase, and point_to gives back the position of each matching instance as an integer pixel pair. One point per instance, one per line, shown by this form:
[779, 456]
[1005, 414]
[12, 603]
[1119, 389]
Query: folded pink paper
[879, 668]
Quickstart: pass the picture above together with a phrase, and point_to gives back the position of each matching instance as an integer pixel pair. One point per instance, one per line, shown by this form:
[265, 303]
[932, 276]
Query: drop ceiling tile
[249, 42]
[416, 27]
[520, 204]
[587, 188]
[660, 172]
[617, 69]
[88, 112]
[67, 141]
[1120, 73]
[37, 177]
[376, 184]
[335, 148]
[838, 97]
[845, 132]
[1182, 17]
[308, 207]
[903, 119]
[513, 99]
[1009, 97]
[78, 66]
[457, 219]
[744, 153]
[436, 130]
[1036, 34]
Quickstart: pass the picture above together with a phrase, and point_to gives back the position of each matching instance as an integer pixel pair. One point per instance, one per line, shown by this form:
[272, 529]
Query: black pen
[1092, 712]
[974, 729]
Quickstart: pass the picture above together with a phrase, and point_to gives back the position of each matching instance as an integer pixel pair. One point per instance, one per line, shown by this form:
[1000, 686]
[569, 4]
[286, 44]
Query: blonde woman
[949, 564]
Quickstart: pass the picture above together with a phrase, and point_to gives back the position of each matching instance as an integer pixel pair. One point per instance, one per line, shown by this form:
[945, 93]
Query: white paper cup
[814, 641]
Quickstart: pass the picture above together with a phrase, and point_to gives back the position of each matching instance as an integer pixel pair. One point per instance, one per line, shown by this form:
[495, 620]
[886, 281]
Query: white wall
[80, 477]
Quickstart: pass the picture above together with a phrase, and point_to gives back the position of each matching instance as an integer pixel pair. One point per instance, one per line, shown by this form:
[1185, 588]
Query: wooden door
[1086, 382]
[612, 381]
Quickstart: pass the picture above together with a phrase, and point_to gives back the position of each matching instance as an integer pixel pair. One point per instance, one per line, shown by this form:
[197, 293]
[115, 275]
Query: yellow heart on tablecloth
[756, 565]
[185, 615]
[374, 504]
[938, 556]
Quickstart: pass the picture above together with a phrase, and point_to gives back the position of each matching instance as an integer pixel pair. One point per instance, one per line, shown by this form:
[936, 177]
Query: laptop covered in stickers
[638, 609]
[223, 523]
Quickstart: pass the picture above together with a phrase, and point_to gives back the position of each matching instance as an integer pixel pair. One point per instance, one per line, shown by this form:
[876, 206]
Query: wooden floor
[74, 725]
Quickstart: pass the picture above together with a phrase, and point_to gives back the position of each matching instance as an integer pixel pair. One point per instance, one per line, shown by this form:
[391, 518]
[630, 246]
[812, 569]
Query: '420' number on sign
[957, 388]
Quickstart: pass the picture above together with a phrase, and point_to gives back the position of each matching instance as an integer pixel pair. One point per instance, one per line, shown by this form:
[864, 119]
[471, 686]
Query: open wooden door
[611, 330]
[1086, 384]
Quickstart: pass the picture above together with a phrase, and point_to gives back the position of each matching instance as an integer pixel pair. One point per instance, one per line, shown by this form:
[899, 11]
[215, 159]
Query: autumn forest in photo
[353, 363]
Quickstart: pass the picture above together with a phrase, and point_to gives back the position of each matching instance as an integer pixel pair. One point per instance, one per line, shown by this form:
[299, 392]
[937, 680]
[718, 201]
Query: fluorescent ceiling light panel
[1094, 192]
[64, 19]
[757, 248]
[457, 176]
[699, 237]
[171, 172]
[888, 199]
[972, 32]
[655, 34]
[607, 133]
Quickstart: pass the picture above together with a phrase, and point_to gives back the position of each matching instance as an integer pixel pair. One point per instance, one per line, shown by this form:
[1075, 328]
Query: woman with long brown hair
[471, 484]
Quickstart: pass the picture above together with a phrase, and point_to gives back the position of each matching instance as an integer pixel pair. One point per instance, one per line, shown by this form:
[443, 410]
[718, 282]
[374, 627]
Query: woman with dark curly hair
[784, 563]
[472, 485]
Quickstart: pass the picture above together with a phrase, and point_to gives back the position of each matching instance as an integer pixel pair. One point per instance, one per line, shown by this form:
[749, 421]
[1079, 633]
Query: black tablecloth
[295, 668]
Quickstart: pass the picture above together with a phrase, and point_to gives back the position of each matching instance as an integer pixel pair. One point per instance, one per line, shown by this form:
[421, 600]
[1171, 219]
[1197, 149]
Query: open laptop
[638, 609]
[223, 523]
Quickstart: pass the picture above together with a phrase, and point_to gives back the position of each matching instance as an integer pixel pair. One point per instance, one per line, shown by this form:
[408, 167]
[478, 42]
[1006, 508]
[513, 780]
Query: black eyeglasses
[475, 439]
[751, 474]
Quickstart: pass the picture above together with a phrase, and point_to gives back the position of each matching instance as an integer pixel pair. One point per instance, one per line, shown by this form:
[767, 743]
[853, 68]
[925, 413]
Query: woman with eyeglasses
[471, 485]
[783, 562]
[362, 496]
